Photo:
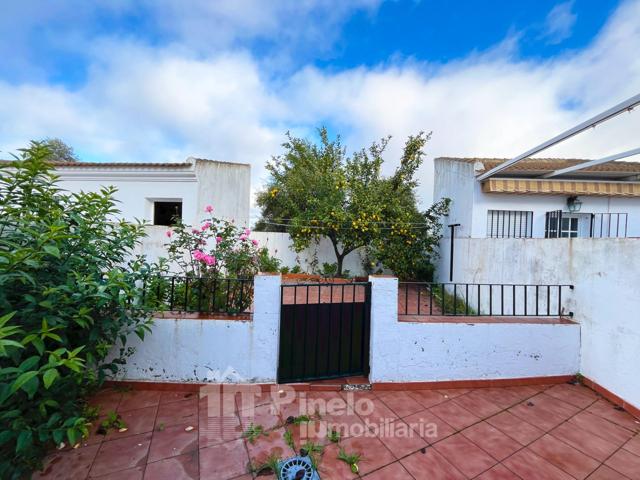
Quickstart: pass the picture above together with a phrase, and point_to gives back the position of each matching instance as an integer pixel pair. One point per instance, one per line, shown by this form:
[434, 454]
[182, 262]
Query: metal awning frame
[608, 114]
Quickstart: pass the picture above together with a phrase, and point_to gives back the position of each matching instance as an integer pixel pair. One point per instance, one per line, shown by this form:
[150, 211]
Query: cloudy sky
[161, 80]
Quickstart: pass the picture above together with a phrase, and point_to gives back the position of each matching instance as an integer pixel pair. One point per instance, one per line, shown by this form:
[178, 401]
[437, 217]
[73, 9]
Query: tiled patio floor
[532, 433]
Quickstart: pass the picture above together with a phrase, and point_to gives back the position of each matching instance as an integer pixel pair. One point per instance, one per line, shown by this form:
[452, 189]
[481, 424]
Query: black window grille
[552, 223]
[608, 225]
[509, 224]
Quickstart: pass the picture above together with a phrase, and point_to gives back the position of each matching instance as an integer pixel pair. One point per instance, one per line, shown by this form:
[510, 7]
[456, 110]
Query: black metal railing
[482, 299]
[199, 295]
[509, 224]
[608, 225]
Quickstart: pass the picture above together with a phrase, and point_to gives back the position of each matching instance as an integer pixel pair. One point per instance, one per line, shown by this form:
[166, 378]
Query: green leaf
[21, 380]
[25, 438]
[31, 387]
[5, 318]
[5, 436]
[52, 250]
[49, 377]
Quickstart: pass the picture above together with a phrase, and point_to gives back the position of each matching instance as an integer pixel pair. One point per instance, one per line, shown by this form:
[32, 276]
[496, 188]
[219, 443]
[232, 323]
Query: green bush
[69, 294]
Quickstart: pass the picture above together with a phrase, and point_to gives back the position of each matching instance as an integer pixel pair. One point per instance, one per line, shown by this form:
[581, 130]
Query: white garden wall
[212, 350]
[605, 301]
[424, 352]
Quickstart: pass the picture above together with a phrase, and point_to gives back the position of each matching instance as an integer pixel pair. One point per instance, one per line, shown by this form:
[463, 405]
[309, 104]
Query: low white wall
[280, 246]
[420, 352]
[605, 301]
[187, 350]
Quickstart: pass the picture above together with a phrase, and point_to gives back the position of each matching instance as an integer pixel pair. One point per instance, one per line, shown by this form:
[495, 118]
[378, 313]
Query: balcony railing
[199, 295]
[482, 299]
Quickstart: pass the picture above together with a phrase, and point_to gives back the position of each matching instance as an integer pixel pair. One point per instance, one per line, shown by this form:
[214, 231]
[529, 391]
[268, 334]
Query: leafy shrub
[268, 263]
[68, 296]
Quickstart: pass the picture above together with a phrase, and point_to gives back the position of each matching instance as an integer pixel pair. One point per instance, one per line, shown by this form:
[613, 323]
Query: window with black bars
[509, 224]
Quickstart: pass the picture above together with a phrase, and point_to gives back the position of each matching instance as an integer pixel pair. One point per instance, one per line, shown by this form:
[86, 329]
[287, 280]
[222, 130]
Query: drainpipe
[453, 232]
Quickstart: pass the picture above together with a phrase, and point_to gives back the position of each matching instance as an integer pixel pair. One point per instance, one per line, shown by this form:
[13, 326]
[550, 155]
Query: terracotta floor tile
[515, 427]
[213, 404]
[574, 394]
[173, 441]
[476, 403]
[265, 445]
[182, 467]
[607, 410]
[184, 411]
[121, 454]
[582, 440]
[492, 440]
[427, 398]
[315, 431]
[602, 428]
[136, 399]
[74, 463]
[216, 430]
[529, 466]
[633, 445]
[331, 467]
[454, 392]
[555, 405]
[536, 414]
[402, 404]
[170, 396]
[224, 461]
[106, 401]
[454, 415]
[248, 400]
[376, 411]
[347, 425]
[395, 471]
[523, 391]
[626, 463]
[263, 415]
[463, 454]
[136, 473]
[430, 465]
[429, 426]
[400, 439]
[499, 472]
[501, 396]
[606, 473]
[373, 453]
[136, 422]
[563, 456]
[286, 409]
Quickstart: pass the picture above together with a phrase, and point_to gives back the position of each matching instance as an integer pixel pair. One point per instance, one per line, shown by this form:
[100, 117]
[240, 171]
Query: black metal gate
[324, 331]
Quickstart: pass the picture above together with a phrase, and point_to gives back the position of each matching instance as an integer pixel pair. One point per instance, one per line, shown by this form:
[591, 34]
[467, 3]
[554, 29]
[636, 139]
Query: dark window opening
[167, 213]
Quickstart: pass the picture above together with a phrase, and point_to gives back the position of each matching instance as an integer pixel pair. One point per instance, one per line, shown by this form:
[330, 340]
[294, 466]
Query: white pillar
[266, 328]
[384, 318]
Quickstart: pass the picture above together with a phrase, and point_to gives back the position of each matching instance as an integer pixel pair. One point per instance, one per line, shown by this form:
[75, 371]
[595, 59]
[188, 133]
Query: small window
[167, 213]
[569, 227]
[509, 224]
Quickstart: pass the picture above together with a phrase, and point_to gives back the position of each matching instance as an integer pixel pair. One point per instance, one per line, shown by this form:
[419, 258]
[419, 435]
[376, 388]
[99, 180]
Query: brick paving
[549, 432]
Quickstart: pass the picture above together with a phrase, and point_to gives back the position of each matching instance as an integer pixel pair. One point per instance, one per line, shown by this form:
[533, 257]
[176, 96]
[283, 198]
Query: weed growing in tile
[270, 465]
[333, 436]
[313, 450]
[112, 422]
[350, 459]
[288, 438]
[253, 432]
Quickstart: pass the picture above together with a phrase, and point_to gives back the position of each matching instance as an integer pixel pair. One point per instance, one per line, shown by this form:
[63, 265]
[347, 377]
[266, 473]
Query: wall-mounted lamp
[574, 204]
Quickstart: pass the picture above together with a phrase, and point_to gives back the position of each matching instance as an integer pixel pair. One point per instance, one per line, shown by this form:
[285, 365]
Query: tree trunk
[340, 260]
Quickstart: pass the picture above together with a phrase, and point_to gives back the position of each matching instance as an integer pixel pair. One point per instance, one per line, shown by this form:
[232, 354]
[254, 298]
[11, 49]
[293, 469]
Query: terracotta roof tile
[542, 165]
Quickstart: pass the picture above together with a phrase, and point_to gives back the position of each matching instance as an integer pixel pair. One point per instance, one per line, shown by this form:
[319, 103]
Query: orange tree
[317, 190]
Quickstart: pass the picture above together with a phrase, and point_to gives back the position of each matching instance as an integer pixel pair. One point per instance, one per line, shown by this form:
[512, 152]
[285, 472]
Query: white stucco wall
[279, 245]
[605, 301]
[421, 352]
[469, 207]
[218, 351]
[224, 185]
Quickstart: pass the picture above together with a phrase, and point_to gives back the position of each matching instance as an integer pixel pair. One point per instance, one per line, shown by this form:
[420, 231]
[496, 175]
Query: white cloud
[559, 23]
[141, 103]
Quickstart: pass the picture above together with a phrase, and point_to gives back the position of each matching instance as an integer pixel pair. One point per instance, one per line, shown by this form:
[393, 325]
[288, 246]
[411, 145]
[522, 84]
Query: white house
[158, 192]
[533, 199]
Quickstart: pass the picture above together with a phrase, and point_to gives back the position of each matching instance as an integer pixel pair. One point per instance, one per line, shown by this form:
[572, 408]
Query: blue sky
[160, 80]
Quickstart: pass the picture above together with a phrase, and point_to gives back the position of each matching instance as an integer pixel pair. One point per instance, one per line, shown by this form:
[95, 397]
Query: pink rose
[209, 260]
[169, 233]
[208, 208]
[218, 239]
[247, 231]
[195, 230]
[243, 237]
[205, 225]
[197, 254]
[255, 242]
